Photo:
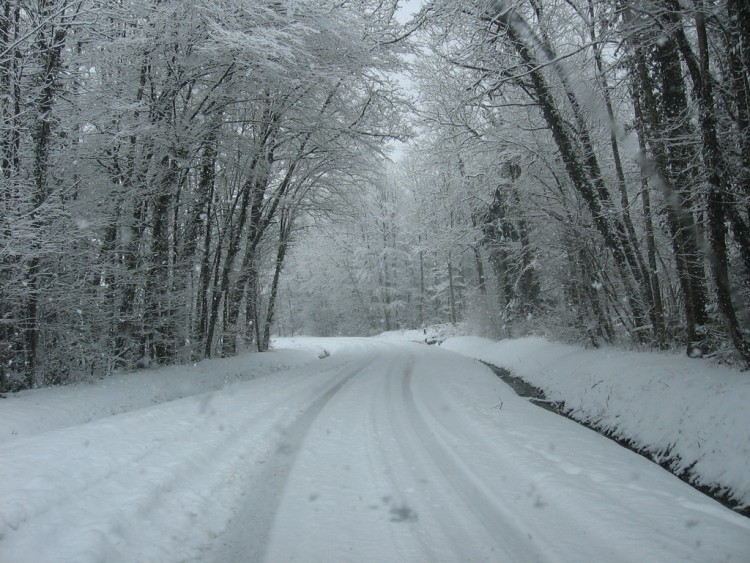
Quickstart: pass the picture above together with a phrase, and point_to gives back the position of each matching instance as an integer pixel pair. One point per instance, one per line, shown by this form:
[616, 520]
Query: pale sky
[406, 9]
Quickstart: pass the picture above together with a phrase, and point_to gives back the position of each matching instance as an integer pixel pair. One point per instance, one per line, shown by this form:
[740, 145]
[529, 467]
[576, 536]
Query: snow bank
[38, 410]
[433, 334]
[694, 415]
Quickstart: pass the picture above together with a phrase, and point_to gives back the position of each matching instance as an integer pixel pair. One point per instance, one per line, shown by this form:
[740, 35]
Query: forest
[183, 180]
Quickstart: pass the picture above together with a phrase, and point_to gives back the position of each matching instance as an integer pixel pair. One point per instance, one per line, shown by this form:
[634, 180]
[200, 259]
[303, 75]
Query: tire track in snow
[423, 493]
[247, 536]
[462, 484]
[409, 474]
[141, 453]
[193, 477]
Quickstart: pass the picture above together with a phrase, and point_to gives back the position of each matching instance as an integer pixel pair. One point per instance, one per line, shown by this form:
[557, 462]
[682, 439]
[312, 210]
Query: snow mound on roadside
[433, 334]
[31, 412]
[685, 411]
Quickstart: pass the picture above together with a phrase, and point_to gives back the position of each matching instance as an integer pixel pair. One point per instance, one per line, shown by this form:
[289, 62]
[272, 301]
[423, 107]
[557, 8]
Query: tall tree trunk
[196, 250]
[129, 259]
[671, 172]
[738, 48]
[10, 101]
[649, 237]
[527, 280]
[576, 166]
[631, 269]
[285, 228]
[223, 273]
[720, 207]
[250, 201]
[717, 171]
[50, 44]
[386, 285]
[421, 283]
[451, 292]
[481, 281]
[654, 303]
[157, 333]
[718, 200]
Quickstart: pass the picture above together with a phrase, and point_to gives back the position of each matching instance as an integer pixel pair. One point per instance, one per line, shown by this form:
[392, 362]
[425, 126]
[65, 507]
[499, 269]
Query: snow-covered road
[383, 452]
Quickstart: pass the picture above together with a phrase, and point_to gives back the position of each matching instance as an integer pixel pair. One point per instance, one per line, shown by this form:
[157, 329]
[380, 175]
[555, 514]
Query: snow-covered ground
[362, 450]
[686, 411]
[31, 412]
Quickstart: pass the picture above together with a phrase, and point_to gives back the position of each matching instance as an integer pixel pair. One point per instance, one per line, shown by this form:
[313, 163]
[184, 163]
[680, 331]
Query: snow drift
[688, 413]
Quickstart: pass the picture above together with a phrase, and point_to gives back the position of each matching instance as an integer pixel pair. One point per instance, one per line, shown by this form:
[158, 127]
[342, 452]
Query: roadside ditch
[537, 397]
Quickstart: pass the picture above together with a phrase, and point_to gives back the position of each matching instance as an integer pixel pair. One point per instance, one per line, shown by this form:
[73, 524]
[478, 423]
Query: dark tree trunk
[285, 229]
[202, 230]
[576, 166]
[451, 292]
[673, 161]
[720, 207]
[718, 198]
[421, 283]
[481, 281]
[50, 44]
[654, 303]
[738, 48]
[656, 297]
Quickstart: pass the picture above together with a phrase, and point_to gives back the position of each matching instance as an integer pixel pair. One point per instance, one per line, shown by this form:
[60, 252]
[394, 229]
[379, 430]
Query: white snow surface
[379, 451]
[690, 412]
[34, 411]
